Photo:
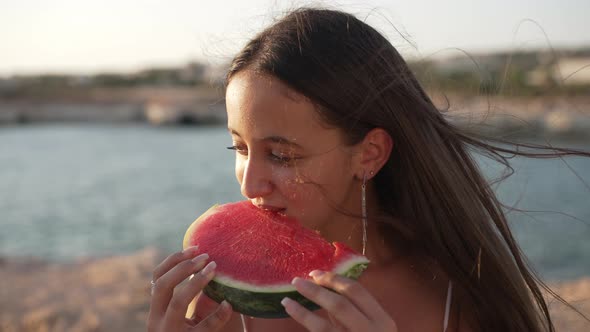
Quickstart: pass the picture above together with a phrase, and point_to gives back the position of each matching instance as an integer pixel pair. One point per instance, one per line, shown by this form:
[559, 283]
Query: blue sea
[72, 191]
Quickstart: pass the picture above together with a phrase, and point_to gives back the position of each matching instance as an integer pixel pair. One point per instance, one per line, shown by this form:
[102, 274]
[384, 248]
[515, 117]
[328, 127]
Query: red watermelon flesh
[259, 252]
[262, 247]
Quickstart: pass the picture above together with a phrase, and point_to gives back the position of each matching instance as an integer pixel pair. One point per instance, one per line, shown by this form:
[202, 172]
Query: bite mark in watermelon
[259, 252]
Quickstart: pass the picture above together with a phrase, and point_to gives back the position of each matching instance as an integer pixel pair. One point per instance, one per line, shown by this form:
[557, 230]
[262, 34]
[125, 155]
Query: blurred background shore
[538, 91]
[102, 174]
[112, 137]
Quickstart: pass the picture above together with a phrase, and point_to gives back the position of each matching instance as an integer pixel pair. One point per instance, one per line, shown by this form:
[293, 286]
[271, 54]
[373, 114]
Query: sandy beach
[112, 294]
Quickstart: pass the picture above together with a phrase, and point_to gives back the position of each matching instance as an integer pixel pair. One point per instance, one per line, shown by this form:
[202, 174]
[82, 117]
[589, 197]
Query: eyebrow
[273, 139]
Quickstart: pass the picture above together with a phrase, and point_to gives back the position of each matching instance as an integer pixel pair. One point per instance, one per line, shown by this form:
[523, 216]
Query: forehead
[260, 105]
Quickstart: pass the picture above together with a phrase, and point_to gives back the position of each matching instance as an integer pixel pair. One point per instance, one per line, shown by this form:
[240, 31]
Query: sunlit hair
[439, 206]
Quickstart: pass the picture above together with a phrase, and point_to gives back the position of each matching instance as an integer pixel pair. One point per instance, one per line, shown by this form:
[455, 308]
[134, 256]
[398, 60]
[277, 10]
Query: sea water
[71, 191]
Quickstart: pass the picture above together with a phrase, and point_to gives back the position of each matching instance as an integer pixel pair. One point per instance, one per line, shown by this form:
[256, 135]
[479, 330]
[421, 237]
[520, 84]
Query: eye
[283, 158]
[280, 157]
[239, 148]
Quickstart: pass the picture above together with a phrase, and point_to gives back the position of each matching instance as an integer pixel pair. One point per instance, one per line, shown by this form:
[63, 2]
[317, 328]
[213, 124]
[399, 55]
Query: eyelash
[236, 148]
[279, 159]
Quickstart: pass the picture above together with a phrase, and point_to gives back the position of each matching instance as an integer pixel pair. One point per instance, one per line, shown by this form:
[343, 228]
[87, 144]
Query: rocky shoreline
[560, 117]
[547, 116]
[112, 294]
[155, 105]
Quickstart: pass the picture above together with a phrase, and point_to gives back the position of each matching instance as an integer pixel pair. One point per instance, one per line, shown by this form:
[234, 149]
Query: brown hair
[444, 209]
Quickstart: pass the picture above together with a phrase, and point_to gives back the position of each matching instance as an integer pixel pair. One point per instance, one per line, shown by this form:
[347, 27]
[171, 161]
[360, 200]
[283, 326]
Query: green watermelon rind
[265, 304]
[341, 268]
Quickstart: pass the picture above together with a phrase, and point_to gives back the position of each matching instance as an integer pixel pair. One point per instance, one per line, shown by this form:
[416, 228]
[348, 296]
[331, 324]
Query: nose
[255, 178]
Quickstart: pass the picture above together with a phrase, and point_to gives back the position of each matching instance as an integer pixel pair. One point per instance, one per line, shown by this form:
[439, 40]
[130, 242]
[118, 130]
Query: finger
[308, 319]
[203, 307]
[341, 308]
[164, 285]
[353, 291]
[183, 296]
[172, 260]
[216, 320]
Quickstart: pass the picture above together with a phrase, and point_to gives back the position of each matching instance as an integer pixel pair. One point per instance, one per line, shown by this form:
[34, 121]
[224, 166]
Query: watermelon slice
[259, 252]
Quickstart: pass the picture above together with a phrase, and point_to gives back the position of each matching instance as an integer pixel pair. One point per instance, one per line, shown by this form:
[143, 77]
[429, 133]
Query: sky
[86, 37]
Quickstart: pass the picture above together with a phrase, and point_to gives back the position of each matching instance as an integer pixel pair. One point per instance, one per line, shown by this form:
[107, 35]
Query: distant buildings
[515, 72]
[573, 70]
[568, 71]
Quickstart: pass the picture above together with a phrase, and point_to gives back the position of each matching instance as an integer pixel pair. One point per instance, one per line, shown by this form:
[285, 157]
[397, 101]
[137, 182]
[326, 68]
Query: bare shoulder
[415, 297]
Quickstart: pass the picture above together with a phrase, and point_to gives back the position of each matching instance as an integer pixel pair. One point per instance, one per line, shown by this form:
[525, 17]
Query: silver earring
[364, 210]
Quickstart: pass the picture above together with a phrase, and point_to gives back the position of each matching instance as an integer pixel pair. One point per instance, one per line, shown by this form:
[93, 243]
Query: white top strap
[448, 306]
[244, 325]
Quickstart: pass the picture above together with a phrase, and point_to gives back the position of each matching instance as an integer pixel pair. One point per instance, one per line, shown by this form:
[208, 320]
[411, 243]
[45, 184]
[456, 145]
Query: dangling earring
[364, 209]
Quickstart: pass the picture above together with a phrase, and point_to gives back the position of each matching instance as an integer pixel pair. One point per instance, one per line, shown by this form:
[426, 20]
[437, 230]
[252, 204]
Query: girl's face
[287, 159]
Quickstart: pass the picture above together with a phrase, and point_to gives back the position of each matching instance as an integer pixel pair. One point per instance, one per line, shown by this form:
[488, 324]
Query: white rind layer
[346, 265]
[340, 268]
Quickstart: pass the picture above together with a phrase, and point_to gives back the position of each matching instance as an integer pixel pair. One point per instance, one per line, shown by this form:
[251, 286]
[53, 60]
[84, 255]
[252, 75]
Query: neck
[349, 230]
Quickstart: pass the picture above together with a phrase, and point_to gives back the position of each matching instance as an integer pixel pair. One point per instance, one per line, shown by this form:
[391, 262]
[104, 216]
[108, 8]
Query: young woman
[324, 113]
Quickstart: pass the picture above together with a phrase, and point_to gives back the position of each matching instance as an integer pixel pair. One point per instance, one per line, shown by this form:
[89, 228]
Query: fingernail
[300, 282]
[200, 258]
[286, 301]
[208, 270]
[225, 305]
[190, 249]
[316, 273]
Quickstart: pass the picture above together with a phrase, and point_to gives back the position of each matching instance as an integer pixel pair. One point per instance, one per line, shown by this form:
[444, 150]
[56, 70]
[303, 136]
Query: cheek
[305, 186]
[327, 181]
[288, 181]
[290, 184]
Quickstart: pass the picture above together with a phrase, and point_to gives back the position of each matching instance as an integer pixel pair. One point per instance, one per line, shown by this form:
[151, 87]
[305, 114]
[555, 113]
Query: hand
[351, 305]
[169, 303]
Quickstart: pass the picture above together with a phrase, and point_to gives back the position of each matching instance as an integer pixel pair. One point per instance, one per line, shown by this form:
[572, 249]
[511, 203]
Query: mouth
[271, 208]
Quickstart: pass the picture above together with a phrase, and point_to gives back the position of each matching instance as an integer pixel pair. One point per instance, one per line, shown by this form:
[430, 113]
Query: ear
[373, 152]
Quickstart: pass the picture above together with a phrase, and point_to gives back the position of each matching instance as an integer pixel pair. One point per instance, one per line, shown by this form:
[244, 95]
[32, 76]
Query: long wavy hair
[444, 209]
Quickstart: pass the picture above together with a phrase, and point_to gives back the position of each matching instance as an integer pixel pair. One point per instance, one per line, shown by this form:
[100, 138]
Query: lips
[271, 208]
